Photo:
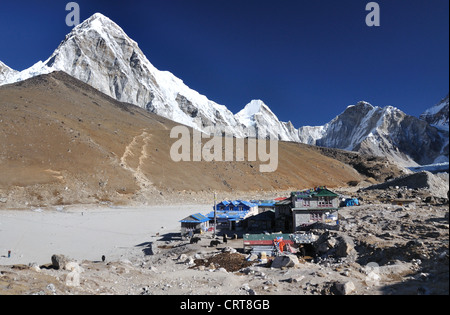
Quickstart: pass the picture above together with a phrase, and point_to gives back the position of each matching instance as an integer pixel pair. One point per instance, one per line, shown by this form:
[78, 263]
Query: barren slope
[63, 142]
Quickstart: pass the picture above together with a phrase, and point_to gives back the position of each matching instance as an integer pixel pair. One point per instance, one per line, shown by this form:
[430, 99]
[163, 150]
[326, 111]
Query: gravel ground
[387, 249]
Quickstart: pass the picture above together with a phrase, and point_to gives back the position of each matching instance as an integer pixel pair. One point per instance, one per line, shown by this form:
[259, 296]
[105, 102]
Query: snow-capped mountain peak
[258, 120]
[101, 24]
[100, 53]
[256, 107]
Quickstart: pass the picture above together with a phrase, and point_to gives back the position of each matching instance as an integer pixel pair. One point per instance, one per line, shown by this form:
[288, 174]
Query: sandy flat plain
[85, 232]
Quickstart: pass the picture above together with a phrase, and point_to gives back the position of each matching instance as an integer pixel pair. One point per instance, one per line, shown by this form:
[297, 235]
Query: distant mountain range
[99, 53]
[383, 132]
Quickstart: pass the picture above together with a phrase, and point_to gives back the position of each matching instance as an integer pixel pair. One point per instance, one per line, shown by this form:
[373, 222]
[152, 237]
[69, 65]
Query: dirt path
[134, 158]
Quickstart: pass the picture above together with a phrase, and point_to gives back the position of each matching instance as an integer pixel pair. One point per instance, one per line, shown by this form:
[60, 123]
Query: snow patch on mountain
[6, 73]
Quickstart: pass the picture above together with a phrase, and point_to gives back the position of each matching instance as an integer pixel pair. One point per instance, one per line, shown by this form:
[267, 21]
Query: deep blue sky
[307, 60]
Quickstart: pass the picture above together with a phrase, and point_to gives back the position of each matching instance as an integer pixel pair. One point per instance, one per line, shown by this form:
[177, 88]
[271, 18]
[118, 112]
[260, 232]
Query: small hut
[195, 223]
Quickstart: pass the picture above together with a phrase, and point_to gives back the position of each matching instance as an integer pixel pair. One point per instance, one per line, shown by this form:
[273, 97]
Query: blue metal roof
[248, 204]
[195, 218]
[228, 215]
[234, 204]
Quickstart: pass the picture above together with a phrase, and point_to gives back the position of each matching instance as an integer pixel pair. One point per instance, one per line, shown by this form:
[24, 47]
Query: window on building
[328, 202]
[325, 202]
[320, 202]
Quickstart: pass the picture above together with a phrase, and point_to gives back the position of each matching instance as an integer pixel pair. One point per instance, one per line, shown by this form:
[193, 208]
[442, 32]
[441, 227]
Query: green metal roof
[326, 193]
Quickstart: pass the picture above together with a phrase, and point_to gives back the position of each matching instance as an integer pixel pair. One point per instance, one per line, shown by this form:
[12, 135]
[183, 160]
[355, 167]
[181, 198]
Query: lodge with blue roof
[231, 214]
[298, 212]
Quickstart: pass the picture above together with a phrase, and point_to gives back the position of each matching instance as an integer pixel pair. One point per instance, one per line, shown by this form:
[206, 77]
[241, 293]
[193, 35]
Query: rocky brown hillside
[63, 142]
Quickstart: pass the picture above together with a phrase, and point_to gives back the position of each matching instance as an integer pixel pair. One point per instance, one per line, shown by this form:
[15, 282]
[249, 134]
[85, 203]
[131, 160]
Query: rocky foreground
[381, 248]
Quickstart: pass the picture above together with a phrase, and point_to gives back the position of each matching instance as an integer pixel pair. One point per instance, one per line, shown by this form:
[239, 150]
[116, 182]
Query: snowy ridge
[438, 114]
[387, 131]
[341, 132]
[6, 73]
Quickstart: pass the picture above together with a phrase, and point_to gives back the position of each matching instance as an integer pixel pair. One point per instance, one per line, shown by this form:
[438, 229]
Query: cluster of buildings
[288, 215]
